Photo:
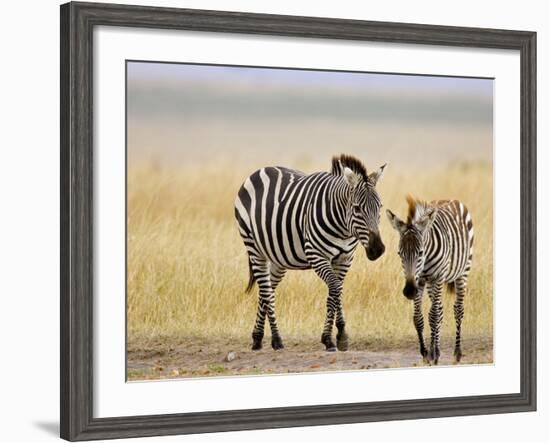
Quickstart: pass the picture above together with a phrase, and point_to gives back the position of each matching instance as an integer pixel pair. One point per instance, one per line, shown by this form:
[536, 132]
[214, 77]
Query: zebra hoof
[434, 356]
[342, 343]
[458, 355]
[257, 341]
[424, 354]
[277, 343]
[329, 344]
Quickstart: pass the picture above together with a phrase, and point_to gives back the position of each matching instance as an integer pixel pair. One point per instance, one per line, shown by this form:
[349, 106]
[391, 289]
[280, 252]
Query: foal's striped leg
[436, 317]
[418, 319]
[460, 287]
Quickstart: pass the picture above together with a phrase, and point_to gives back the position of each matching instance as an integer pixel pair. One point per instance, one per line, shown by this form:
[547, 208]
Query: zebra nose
[410, 290]
[375, 249]
[374, 253]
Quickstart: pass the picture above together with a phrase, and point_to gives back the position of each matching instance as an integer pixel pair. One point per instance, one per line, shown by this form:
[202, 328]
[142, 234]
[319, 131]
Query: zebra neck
[427, 238]
[346, 201]
[338, 198]
[434, 243]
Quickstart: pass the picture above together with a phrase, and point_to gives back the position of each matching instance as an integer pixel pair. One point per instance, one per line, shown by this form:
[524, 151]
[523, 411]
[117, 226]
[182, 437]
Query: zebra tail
[451, 287]
[251, 278]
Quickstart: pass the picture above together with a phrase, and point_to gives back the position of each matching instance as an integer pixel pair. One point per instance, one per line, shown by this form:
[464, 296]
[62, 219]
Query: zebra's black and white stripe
[290, 220]
[436, 248]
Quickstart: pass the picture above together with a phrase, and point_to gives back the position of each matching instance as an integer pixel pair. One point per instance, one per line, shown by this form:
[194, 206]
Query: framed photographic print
[272, 221]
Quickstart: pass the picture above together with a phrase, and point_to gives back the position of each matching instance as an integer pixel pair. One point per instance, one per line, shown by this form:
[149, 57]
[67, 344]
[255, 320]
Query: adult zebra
[436, 247]
[291, 220]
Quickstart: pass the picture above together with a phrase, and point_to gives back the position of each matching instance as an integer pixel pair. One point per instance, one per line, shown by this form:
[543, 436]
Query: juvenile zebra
[291, 220]
[436, 247]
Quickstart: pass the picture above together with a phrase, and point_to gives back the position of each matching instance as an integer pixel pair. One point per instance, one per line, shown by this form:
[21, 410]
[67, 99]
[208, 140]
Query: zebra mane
[347, 161]
[417, 208]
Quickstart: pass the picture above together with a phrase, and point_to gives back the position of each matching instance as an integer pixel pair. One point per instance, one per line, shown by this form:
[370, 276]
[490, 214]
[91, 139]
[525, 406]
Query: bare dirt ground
[228, 357]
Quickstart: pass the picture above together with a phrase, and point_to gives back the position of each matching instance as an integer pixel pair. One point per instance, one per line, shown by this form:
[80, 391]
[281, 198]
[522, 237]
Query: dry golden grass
[187, 266]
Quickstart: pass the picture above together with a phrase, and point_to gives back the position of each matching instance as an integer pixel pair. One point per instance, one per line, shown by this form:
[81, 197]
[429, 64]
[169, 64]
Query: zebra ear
[427, 219]
[351, 177]
[397, 224]
[375, 176]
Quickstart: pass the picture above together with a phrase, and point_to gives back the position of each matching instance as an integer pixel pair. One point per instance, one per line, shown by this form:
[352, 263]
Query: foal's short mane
[343, 161]
[417, 208]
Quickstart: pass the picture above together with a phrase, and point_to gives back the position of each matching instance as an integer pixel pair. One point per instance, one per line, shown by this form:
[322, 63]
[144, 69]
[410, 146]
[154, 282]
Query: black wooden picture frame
[77, 24]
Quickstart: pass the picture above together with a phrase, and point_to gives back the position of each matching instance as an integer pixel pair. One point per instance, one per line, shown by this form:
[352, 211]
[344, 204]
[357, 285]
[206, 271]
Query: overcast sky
[254, 76]
[176, 109]
[166, 91]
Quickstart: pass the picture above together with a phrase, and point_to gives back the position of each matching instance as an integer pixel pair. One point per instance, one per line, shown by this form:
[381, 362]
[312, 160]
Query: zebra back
[449, 244]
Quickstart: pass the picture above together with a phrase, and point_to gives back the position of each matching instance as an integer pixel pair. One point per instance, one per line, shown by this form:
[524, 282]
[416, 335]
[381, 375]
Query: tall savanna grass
[187, 266]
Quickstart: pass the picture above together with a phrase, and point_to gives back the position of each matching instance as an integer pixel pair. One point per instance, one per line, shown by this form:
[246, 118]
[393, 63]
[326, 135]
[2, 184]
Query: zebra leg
[418, 319]
[436, 317]
[262, 276]
[324, 270]
[276, 275]
[342, 338]
[460, 287]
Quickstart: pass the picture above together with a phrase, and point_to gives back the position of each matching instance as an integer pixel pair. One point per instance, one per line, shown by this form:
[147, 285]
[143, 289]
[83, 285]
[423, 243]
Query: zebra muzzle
[410, 290]
[375, 249]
